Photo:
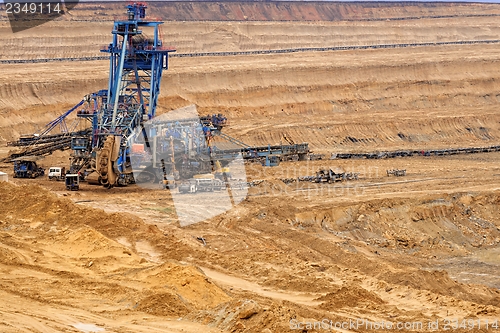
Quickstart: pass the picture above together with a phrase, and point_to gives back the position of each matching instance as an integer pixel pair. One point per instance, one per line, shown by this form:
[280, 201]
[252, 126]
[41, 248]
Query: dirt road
[421, 248]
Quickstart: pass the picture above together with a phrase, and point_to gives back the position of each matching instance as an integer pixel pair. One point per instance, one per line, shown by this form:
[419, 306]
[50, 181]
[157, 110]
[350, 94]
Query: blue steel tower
[137, 60]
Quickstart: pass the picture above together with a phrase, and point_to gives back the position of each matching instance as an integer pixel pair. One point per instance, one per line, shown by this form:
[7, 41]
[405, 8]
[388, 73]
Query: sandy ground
[324, 96]
[414, 248]
[423, 248]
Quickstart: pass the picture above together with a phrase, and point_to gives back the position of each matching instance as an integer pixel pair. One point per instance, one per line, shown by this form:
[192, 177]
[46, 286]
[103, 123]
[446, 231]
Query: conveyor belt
[276, 51]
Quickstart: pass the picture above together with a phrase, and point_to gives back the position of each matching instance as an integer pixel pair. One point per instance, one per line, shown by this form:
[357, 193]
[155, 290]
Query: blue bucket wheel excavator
[122, 137]
[136, 63]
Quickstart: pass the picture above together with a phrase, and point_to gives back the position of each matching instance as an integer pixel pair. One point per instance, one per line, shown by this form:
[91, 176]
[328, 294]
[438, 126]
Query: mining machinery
[137, 58]
[26, 167]
[124, 141]
[129, 143]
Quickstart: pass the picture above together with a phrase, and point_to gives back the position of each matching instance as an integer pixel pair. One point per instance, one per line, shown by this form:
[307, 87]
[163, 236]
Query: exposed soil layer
[418, 248]
[273, 258]
[280, 11]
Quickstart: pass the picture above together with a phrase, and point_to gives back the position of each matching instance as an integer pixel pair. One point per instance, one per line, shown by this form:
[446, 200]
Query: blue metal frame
[135, 71]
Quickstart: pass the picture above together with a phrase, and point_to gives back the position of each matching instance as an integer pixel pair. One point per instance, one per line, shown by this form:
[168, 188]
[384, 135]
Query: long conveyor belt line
[27, 141]
[418, 152]
[65, 143]
[359, 19]
[62, 144]
[260, 52]
[43, 145]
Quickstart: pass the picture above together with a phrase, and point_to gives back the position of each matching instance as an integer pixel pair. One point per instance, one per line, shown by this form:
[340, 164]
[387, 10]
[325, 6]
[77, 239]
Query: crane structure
[136, 62]
[128, 142]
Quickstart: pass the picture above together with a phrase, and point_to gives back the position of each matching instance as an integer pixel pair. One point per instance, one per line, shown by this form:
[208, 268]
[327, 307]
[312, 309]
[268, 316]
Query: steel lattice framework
[135, 70]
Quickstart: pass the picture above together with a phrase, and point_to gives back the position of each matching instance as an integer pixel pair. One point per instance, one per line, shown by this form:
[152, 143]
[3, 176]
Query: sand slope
[331, 91]
[416, 248]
